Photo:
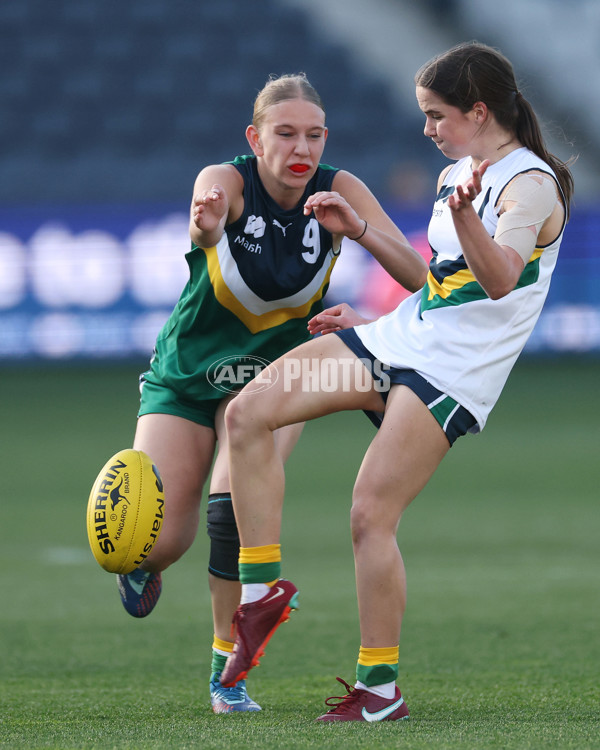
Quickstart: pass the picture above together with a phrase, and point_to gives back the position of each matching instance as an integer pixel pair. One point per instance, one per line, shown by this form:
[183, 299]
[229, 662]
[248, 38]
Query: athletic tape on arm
[534, 198]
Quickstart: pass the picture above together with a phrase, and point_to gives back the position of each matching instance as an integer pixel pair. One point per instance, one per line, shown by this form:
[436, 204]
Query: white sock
[252, 592]
[387, 690]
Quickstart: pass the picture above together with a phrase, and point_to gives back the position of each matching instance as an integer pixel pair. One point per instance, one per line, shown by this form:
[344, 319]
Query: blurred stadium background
[109, 108]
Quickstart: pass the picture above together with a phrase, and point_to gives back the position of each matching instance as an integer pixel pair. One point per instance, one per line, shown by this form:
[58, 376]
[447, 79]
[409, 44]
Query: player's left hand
[466, 194]
[334, 213]
[335, 318]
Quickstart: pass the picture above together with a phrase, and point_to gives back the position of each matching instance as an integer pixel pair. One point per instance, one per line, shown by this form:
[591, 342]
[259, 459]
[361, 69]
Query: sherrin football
[125, 511]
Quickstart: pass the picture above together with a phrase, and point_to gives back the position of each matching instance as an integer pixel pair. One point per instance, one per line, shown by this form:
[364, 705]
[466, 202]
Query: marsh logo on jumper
[231, 373]
[255, 226]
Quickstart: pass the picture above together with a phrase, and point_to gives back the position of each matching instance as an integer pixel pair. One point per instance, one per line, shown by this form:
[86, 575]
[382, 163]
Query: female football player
[259, 267]
[437, 364]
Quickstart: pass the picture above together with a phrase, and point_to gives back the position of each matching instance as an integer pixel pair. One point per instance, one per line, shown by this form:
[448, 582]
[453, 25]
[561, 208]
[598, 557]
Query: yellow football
[125, 511]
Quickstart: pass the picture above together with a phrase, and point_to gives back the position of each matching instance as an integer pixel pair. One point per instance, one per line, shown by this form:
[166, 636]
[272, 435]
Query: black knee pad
[224, 537]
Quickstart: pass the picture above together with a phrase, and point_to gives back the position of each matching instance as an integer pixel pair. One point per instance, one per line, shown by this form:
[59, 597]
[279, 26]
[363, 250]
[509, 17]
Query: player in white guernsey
[438, 362]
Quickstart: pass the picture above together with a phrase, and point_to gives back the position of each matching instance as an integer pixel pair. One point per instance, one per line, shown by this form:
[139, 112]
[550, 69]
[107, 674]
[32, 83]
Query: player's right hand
[209, 207]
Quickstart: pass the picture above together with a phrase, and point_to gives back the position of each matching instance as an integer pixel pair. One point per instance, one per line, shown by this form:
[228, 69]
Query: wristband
[354, 239]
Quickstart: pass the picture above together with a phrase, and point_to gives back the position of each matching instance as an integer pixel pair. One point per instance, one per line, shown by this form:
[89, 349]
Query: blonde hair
[280, 89]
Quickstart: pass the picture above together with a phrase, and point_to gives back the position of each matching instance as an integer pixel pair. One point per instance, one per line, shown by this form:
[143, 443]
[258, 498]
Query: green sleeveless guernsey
[250, 296]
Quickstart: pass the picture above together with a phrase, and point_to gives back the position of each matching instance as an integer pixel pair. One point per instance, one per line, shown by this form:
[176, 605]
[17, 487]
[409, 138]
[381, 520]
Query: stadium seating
[156, 89]
[163, 87]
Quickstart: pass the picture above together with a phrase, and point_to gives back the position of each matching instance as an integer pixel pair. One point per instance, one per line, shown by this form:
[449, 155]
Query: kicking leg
[257, 477]
[183, 452]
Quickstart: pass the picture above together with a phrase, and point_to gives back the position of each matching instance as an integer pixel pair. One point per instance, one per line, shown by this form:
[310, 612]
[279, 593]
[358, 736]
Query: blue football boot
[226, 700]
[139, 591]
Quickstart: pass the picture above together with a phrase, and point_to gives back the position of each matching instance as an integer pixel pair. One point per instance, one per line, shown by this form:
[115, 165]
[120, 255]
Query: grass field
[500, 647]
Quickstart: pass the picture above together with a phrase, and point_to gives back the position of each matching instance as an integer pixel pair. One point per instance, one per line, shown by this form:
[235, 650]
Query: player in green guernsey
[254, 289]
[266, 230]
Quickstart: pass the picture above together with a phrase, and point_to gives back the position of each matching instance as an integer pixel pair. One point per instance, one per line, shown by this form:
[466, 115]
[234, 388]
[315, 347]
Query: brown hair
[280, 89]
[471, 72]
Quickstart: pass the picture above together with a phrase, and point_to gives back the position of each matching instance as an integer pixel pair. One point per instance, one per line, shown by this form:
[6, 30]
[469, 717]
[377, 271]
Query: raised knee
[235, 420]
[241, 418]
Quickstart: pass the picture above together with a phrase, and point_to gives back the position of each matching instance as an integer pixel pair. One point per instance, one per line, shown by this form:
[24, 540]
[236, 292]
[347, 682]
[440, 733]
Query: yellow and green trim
[256, 322]
[455, 284]
[377, 666]
[260, 564]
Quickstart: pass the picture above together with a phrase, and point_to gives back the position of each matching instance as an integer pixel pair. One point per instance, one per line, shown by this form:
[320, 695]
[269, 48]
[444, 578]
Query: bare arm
[217, 201]
[344, 211]
[496, 267]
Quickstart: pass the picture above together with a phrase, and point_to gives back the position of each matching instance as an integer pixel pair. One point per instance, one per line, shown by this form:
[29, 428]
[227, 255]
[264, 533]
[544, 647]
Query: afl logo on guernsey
[231, 373]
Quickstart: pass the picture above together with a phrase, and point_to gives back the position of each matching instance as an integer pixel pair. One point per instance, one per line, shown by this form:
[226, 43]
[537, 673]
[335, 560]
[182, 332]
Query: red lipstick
[299, 168]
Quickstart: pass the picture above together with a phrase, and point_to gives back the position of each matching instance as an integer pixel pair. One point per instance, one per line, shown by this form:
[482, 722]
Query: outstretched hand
[209, 207]
[466, 194]
[334, 213]
[335, 318]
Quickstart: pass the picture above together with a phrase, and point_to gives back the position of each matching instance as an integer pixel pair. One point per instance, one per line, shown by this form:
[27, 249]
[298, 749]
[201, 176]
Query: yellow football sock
[220, 645]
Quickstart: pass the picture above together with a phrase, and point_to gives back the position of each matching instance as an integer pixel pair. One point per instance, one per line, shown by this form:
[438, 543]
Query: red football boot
[254, 624]
[361, 705]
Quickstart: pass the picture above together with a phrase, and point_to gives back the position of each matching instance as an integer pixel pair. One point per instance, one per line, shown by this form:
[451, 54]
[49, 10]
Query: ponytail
[528, 132]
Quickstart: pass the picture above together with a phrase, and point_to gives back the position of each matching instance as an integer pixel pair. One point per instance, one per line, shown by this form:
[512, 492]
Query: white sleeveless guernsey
[452, 333]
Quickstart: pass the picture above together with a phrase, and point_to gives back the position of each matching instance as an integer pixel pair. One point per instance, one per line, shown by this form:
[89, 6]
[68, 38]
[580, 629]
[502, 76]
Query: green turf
[500, 646]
